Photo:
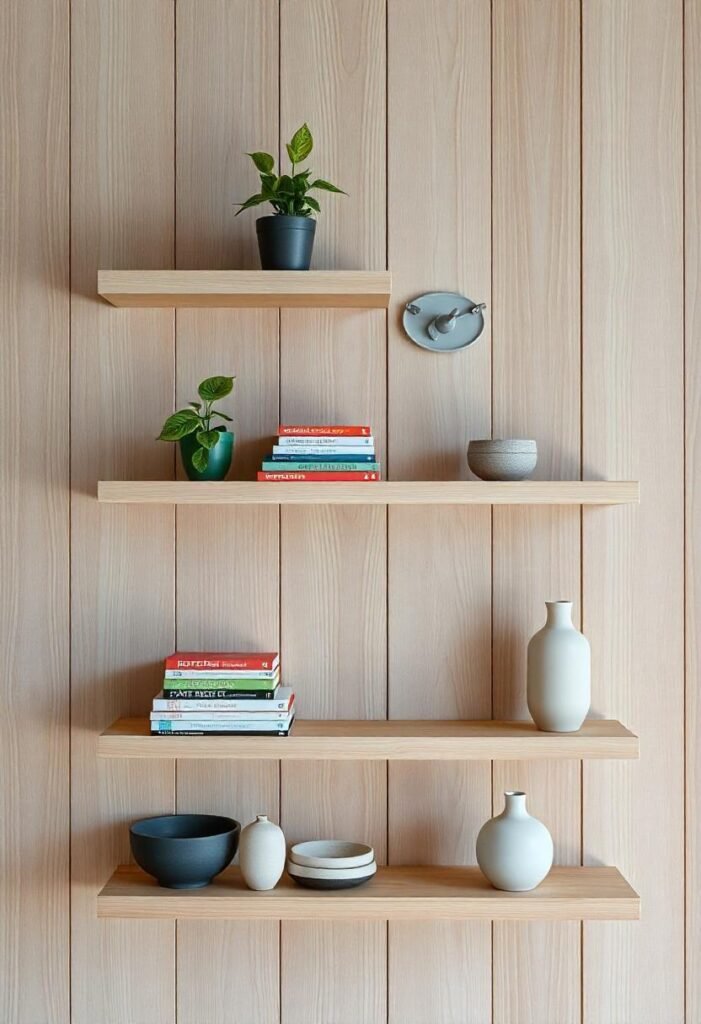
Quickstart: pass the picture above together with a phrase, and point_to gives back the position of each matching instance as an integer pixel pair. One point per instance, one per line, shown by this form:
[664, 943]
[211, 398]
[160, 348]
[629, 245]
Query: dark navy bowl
[184, 851]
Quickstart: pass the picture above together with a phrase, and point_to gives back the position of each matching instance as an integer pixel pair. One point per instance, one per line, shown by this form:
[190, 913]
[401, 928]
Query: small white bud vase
[514, 850]
[262, 853]
[559, 672]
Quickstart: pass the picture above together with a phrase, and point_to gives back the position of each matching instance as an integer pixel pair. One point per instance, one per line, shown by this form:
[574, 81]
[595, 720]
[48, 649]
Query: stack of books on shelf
[322, 453]
[222, 695]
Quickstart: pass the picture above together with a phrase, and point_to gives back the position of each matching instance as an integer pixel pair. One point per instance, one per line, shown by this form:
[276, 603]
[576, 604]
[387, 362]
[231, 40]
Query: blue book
[309, 460]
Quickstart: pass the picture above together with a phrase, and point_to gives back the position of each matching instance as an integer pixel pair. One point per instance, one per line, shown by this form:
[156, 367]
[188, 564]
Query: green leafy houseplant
[288, 194]
[200, 441]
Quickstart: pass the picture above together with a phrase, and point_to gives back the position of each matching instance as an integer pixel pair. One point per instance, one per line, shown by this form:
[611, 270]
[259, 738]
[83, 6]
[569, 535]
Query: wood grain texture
[393, 740]
[439, 561]
[122, 559]
[383, 492]
[34, 513]
[536, 384]
[245, 288]
[395, 893]
[333, 368]
[633, 421]
[692, 307]
[227, 559]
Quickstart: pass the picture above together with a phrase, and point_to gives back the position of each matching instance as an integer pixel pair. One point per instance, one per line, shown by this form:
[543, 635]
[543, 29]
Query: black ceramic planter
[184, 851]
[285, 243]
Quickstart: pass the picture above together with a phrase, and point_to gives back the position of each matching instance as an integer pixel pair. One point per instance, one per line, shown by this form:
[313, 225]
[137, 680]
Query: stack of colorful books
[322, 453]
[222, 695]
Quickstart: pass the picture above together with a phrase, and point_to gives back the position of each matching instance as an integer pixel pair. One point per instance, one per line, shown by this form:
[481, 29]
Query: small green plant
[288, 194]
[197, 419]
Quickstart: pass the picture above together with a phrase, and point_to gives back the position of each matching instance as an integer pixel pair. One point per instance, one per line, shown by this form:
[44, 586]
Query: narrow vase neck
[559, 614]
[515, 805]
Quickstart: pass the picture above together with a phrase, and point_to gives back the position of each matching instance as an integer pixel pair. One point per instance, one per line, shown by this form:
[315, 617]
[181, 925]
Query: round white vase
[514, 850]
[262, 853]
[559, 672]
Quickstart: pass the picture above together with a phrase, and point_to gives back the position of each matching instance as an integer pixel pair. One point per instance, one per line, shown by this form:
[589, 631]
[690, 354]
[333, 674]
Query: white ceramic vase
[262, 853]
[559, 672]
[514, 850]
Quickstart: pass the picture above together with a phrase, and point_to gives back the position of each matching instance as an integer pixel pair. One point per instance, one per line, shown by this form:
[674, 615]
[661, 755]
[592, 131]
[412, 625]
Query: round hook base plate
[467, 328]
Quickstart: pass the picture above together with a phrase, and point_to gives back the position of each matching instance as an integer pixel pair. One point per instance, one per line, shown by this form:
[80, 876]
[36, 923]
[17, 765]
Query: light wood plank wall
[543, 156]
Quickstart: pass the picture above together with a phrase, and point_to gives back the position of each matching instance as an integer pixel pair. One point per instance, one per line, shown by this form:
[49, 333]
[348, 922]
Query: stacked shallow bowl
[331, 864]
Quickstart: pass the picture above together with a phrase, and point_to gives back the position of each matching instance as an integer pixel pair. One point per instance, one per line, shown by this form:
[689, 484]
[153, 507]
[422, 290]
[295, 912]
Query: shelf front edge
[395, 894]
[380, 741]
[385, 492]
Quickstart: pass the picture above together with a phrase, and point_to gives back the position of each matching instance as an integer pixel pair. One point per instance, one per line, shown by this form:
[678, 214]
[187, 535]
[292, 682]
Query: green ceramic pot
[220, 456]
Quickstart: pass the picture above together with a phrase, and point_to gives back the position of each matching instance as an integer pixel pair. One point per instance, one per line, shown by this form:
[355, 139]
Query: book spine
[247, 707]
[329, 431]
[183, 693]
[321, 452]
[219, 732]
[217, 663]
[220, 716]
[320, 466]
[225, 674]
[240, 728]
[222, 684]
[310, 460]
[357, 477]
[326, 442]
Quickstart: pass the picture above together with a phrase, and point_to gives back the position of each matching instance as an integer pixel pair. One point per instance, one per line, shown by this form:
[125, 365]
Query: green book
[220, 684]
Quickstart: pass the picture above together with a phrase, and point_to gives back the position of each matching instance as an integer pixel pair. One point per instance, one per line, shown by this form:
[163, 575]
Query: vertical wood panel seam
[70, 507]
[492, 334]
[175, 389]
[685, 552]
[280, 509]
[581, 453]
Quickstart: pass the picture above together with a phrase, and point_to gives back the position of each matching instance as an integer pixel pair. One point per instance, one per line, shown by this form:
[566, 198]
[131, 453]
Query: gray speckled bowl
[502, 459]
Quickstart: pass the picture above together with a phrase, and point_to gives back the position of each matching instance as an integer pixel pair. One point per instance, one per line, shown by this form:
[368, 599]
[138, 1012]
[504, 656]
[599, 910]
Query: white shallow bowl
[331, 853]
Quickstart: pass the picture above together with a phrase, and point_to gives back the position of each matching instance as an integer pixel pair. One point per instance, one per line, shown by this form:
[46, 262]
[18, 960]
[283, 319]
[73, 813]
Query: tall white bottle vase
[514, 850]
[262, 853]
[559, 672]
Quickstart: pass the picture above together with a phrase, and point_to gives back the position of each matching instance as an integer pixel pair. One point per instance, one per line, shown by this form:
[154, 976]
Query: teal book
[320, 467]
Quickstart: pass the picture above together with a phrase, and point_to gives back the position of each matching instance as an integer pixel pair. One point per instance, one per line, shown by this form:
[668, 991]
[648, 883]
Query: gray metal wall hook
[443, 321]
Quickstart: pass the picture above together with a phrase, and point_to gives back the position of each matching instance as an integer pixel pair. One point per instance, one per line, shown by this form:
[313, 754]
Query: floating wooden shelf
[359, 289]
[395, 894]
[385, 492]
[381, 741]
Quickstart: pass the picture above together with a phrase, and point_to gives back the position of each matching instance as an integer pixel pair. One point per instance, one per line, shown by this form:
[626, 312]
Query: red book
[357, 477]
[324, 431]
[214, 661]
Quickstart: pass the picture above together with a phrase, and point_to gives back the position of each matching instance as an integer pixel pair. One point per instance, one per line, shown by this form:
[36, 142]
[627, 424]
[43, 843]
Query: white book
[184, 673]
[314, 449]
[326, 441]
[282, 701]
[221, 716]
[175, 725]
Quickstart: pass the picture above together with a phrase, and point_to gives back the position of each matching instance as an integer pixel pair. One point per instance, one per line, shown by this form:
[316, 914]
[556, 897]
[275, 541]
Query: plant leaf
[216, 412]
[208, 438]
[300, 145]
[214, 388]
[180, 424]
[200, 458]
[326, 186]
[311, 201]
[251, 201]
[196, 405]
[264, 161]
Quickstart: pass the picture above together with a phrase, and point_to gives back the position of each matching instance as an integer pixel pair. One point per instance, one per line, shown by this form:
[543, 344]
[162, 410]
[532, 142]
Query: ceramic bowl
[331, 853]
[510, 459]
[184, 851]
[330, 878]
